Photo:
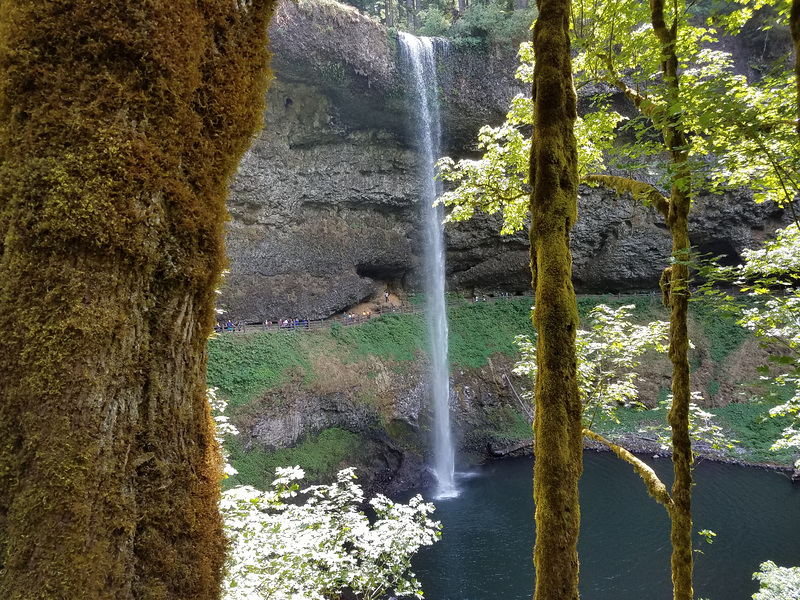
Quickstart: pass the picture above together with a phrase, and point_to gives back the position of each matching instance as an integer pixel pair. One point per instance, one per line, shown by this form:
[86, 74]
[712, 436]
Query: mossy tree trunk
[676, 294]
[120, 126]
[557, 427]
[794, 27]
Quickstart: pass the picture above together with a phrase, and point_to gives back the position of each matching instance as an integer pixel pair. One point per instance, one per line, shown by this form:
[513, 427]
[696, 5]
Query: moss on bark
[676, 296]
[120, 126]
[794, 27]
[557, 426]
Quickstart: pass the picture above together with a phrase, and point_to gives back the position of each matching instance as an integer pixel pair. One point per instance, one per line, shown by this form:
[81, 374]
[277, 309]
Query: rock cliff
[392, 419]
[325, 208]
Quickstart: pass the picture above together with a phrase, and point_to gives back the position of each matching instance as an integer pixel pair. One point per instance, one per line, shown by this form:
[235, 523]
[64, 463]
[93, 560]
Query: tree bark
[120, 126]
[389, 14]
[676, 295]
[794, 27]
[557, 426]
[410, 14]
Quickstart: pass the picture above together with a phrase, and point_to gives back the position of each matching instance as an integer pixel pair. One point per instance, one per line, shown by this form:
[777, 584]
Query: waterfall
[419, 60]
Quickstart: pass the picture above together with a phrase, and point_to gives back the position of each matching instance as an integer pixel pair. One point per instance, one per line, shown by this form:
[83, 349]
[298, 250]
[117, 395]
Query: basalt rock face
[325, 208]
[395, 425]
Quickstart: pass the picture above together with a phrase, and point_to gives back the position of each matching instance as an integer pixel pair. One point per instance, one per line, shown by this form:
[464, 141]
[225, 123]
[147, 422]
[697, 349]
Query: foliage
[287, 547]
[476, 331]
[434, 22]
[499, 180]
[608, 355]
[479, 330]
[755, 431]
[770, 275]
[242, 366]
[744, 426]
[724, 334]
[398, 337]
[705, 432]
[222, 429]
[778, 262]
[756, 121]
[319, 456]
[777, 583]
[776, 320]
[491, 24]
[510, 425]
[738, 133]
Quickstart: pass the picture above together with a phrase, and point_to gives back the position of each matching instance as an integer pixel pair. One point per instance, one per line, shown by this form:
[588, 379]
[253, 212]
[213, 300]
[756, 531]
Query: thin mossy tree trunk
[675, 284]
[794, 27]
[121, 124]
[557, 425]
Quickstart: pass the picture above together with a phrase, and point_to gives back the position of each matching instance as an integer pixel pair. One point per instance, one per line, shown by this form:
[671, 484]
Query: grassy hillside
[254, 369]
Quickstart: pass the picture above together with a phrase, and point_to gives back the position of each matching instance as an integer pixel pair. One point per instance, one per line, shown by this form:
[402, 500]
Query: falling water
[420, 61]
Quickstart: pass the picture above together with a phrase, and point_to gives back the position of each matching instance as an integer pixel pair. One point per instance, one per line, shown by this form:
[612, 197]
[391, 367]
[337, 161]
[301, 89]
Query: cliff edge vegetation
[357, 395]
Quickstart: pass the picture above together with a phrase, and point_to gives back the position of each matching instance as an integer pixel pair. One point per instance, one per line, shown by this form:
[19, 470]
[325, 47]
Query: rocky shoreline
[643, 445]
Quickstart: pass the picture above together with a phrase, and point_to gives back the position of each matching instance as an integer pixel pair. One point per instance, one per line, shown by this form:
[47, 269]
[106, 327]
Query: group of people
[348, 318]
[286, 324]
[228, 326]
[501, 295]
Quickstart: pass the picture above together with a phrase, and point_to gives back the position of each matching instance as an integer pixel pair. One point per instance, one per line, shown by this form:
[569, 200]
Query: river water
[488, 533]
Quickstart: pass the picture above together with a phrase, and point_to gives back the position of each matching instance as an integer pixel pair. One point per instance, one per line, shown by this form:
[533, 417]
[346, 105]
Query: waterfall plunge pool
[487, 540]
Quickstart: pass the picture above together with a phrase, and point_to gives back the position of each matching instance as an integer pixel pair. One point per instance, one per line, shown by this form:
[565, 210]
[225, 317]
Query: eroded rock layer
[325, 207]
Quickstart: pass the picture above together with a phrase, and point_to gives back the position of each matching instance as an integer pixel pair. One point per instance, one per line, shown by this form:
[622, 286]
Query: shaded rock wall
[325, 207]
[394, 419]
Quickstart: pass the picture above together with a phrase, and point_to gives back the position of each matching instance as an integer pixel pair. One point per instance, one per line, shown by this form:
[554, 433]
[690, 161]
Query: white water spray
[419, 60]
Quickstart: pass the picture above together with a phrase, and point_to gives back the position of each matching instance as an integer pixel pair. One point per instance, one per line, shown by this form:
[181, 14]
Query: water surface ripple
[487, 542]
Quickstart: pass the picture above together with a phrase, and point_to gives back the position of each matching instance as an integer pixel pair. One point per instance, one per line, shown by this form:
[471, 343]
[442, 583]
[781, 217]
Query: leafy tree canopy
[737, 132]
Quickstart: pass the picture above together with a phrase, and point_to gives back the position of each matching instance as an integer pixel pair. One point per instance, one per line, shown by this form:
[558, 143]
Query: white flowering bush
[703, 430]
[777, 583]
[608, 355]
[771, 275]
[310, 544]
[779, 257]
[223, 427]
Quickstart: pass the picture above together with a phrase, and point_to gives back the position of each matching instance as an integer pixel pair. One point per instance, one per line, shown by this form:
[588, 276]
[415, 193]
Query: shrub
[434, 22]
[289, 543]
[319, 456]
[490, 24]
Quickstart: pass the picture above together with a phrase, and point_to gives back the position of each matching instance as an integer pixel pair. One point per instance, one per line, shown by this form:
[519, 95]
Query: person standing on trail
[386, 295]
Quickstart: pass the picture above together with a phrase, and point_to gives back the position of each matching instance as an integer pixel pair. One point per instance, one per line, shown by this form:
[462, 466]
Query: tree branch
[646, 193]
[655, 487]
[642, 102]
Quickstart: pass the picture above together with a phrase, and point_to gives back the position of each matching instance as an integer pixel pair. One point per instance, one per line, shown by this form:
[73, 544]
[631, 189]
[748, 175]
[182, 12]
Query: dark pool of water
[488, 532]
